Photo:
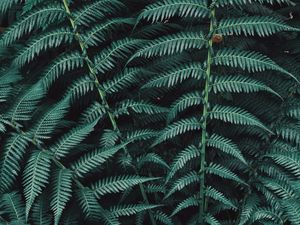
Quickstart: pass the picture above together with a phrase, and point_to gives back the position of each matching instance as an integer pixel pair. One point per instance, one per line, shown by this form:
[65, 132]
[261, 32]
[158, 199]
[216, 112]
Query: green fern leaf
[187, 203]
[236, 116]
[98, 33]
[96, 10]
[171, 44]
[248, 60]
[94, 112]
[69, 140]
[34, 20]
[128, 210]
[183, 182]
[225, 145]
[177, 76]
[178, 128]
[248, 208]
[162, 218]
[218, 196]
[7, 4]
[223, 172]
[48, 40]
[61, 192]
[13, 206]
[151, 158]
[81, 87]
[184, 102]
[111, 56]
[118, 184]
[260, 25]
[166, 9]
[211, 220]
[181, 159]
[13, 152]
[240, 84]
[35, 178]
[40, 211]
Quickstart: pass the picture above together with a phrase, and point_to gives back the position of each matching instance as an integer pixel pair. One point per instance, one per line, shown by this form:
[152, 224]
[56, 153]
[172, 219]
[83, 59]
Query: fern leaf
[13, 152]
[225, 145]
[98, 33]
[248, 208]
[240, 84]
[171, 44]
[128, 210]
[96, 10]
[181, 159]
[35, 178]
[69, 140]
[66, 62]
[118, 184]
[184, 102]
[248, 60]
[260, 25]
[61, 192]
[292, 210]
[166, 9]
[177, 76]
[94, 112]
[121, 81]
[124, 107]
[152, 158]
[13, 206]
[183, 182]
[34, 20]
[218, 196]
[7, 4]
[48, 40]
[187, 203]
[81, 87]
[223, 172]
[45, 126]
[236, 116]
[162, 218]
[178, 128]
[26, 103]
[94, 159]
[111, 56]
[40, 211]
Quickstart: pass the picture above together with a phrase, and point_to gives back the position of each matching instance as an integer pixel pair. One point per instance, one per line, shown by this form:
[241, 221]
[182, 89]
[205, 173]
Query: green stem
[103, 99]
[205, 112]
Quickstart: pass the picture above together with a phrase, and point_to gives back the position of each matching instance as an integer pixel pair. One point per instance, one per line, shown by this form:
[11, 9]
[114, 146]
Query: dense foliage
[150, 112]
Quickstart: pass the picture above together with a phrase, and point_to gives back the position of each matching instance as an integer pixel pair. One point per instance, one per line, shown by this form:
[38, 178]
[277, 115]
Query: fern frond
[13, 206]
[178, 128]
[47, 123]
[166, 9]
[240, 84]
[184, 102]
[218, 196]
[226, 145]
[223, 172]
[34, 20]
[81, 86]
[66, 62]
[121, 81]
[94, 112]
[248, 208]
[183, 182]
[128, 210]
[124, 108]
[7, 4]
[171, 44]
[254, 25]
[13, 152]
[248, 60]
[118, 184]
[187, 203]
[236, 116]
[69, 140]
[162, 218]
[96, 10]
[23, 107]
[111, 56]
[211, 220]
[181, 159]
[98, 33]
[94, 159]
[176, 76]
[41, 213]
[152, 158]
[61, 192]
[35, 177]
[292, 209]
[48, 40]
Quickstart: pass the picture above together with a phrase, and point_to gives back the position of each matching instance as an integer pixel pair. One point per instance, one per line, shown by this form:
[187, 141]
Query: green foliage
[150, 112]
